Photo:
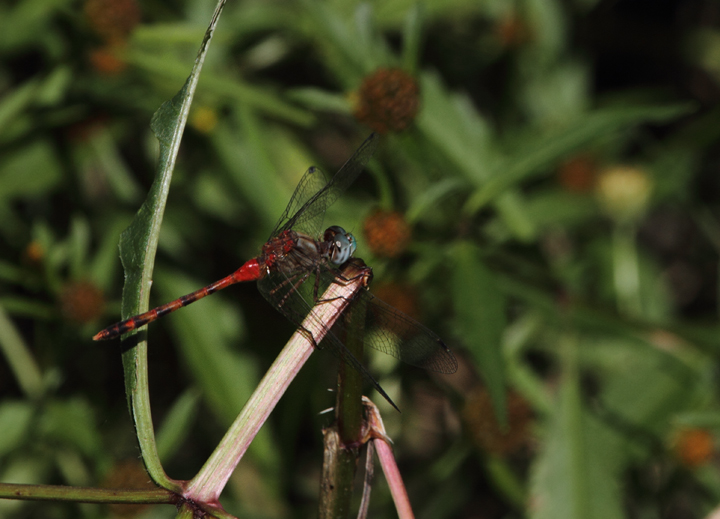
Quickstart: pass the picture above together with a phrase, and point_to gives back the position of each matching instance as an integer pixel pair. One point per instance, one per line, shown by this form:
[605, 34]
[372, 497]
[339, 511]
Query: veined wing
[315, 193]
[389, 330]
[291, 293]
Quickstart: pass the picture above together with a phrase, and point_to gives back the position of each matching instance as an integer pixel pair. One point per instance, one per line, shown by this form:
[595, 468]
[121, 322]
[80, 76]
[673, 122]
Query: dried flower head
[577, 174]
[512, 31]
[387, 233]
[113, 20]
[105, 60]
[34, 253]
[486, 432]
[693, 446]
[83, 130]
[388, 100]
[401, 296]
[81, 302]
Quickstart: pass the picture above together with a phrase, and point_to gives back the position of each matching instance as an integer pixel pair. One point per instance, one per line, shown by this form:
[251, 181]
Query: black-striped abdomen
[250, 271]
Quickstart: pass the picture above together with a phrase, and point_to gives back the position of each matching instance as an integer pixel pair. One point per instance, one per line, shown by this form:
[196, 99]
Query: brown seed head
[81, 302]
[512, 31]
[486, 432]
[388, 100]
[693, 447]
[401, 296]
[34, 253]
[113, 20]
[106, 62]
[387, 233]
[578, 174]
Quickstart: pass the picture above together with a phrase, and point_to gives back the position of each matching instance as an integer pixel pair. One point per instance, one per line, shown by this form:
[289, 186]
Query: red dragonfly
[296, 252]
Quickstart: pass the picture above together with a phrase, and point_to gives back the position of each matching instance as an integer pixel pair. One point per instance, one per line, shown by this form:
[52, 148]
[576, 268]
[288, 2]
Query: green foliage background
[561, 184]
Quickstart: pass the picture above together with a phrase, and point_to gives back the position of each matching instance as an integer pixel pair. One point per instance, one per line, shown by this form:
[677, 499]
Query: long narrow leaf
[138, 245]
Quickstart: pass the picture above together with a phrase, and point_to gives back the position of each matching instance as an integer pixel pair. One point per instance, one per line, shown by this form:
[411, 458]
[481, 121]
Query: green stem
[348, 410]
[85, 495]
[342, 442]
[207, 485]
[336, 484]
[626, 273]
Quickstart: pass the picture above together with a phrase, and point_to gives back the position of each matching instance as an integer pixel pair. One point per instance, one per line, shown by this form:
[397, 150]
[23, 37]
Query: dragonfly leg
[361, 271]
[309, 336]
[342, 280]
[296, 280]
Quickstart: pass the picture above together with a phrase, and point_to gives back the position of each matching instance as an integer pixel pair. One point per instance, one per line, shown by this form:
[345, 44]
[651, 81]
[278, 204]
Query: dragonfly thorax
[341, 244]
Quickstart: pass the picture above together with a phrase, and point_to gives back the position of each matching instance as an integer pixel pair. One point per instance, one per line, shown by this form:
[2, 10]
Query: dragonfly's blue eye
[344, 246]
[333, 230]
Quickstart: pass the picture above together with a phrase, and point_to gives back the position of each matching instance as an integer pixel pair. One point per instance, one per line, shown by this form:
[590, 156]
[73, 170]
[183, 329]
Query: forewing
[315, 194]
[349, 171]
[311, 183]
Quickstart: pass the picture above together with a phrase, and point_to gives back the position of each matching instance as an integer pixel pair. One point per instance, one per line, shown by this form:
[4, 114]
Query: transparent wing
[389, 330]
[290, 293]
[315, 193]
[293, 291]
[299, 214]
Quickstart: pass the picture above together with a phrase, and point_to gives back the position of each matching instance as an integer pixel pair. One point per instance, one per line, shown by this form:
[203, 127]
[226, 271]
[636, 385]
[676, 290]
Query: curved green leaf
[138, 245]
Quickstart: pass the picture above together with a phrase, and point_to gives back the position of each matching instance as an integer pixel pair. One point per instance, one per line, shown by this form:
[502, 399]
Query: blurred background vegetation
[545, 199]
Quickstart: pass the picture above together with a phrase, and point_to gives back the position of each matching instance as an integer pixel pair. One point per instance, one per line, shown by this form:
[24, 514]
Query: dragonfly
[298, 262]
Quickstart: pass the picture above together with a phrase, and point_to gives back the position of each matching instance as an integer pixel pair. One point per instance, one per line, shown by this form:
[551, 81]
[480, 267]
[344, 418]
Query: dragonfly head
[342, 244]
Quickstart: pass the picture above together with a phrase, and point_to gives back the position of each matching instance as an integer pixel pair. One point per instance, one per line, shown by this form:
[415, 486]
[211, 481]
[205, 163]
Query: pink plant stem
[207, 485]
[394, 479]
[387, 461]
